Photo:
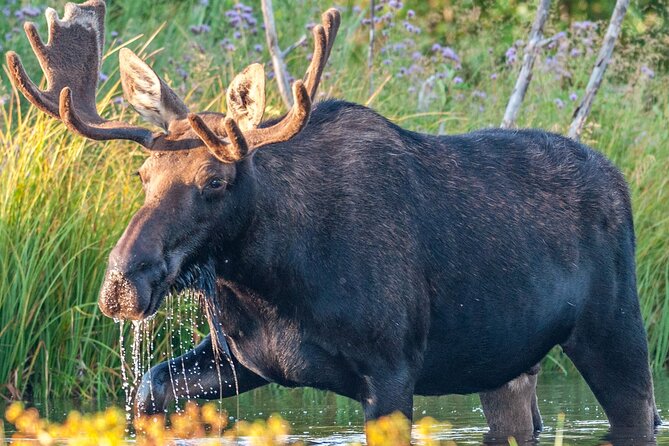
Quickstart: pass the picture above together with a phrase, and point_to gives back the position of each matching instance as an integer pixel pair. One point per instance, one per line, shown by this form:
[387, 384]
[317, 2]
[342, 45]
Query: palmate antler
[71, 62]
[242, 142]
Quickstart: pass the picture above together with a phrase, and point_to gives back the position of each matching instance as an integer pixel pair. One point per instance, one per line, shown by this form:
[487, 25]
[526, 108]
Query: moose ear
[246, 97]
[148, 93]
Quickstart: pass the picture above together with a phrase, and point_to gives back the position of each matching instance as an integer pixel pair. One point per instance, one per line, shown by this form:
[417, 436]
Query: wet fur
[381, 263]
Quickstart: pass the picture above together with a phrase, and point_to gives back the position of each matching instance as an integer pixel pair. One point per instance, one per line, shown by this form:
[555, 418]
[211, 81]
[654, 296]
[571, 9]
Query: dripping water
[124, 374]
[192, 299]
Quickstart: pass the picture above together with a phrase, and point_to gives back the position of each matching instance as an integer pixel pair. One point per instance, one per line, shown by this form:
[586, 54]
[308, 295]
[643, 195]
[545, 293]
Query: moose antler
[241, 143]
[324, 36]
[71, 62]
[304, 93]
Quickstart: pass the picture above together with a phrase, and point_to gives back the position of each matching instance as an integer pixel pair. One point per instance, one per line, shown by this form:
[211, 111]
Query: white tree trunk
[525, 75]
[275, 52]
[583, 110]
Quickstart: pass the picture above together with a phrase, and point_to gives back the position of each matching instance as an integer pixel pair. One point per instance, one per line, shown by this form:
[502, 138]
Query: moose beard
[200, 280]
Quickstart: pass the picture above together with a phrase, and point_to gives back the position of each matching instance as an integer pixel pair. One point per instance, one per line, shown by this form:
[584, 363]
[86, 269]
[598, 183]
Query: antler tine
[241, 143]
[219, 148]
[100, 130]
[289, 126]
[25, 85]
[324, 36]
[71, 62]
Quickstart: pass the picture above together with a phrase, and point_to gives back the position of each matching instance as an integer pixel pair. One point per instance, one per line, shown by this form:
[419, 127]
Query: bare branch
[583, 110]
[275, 52]
[300, 41]
[525, 75]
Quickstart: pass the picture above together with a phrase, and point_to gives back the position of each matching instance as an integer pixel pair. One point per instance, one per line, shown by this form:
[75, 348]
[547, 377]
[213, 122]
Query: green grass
[64, 201]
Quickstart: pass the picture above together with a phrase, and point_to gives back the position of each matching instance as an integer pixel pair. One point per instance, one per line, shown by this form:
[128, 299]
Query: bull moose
[342, 252]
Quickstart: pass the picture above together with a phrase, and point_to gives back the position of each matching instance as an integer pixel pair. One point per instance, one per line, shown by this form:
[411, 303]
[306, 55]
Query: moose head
[198, 178]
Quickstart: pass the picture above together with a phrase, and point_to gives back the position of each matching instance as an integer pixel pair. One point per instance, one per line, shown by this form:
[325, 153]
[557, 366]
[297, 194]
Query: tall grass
[64, 201]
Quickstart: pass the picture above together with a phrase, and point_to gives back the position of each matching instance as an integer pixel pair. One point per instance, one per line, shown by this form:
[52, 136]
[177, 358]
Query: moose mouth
[197, 279]
[124, 298]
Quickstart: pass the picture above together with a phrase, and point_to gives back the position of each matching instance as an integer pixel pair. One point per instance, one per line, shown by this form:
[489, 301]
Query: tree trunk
[275, 52]
[583, 110]
[525, 75]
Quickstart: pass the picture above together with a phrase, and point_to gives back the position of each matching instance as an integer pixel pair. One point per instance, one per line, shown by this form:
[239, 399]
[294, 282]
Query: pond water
[323, 418]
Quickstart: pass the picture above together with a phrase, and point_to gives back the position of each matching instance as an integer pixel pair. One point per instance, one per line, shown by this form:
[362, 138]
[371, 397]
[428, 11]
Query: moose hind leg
[512, 409]
[611, 352]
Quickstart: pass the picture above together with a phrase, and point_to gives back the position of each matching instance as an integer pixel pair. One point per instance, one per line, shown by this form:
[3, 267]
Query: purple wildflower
[448, 53]
[199, 29]
[103, 77]
[258, 48]
[411, 14]
[457, 80]
[357, 9]
[493, 76]
[511, 55]
[436, 47]
[30, 11]
[647, 71]
[559, 103]
[573, 96]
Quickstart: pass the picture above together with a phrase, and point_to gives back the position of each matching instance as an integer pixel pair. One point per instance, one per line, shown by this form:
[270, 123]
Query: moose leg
[610, 350]
[386, 393]
[512, 409]
[196, 374]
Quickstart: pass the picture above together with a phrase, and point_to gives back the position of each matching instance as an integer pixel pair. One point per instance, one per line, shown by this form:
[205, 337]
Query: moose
[339, 251]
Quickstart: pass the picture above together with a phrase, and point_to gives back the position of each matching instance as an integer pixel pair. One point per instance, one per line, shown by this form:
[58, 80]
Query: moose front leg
[196, 374]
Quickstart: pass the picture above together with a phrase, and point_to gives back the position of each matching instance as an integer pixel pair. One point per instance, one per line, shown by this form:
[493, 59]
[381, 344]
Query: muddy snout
[132, 293]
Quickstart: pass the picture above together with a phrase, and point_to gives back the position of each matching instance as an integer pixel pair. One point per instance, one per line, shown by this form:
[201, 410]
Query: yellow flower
[13, 411]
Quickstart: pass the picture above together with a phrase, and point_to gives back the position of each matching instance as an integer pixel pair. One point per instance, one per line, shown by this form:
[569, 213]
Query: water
[323, 418]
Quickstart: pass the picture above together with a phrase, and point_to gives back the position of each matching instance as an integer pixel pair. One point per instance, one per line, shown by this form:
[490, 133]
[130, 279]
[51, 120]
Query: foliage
[64, 201]
[195, 422]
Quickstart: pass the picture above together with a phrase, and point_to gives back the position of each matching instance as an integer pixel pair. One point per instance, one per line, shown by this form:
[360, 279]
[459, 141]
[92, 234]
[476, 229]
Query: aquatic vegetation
[108, 428]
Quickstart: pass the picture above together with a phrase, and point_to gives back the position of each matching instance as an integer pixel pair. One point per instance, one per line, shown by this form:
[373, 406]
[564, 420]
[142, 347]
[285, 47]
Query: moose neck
[267, 254]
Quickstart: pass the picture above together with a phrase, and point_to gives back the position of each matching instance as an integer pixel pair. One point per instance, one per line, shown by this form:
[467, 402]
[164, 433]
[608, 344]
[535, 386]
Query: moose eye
[216, 183]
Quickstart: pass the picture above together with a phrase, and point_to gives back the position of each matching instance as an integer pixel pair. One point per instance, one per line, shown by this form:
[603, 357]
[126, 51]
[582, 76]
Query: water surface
[323, 418]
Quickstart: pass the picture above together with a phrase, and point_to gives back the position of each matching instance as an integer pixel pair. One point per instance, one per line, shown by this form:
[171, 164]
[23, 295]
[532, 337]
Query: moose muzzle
[136, 279]
[134, 292]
